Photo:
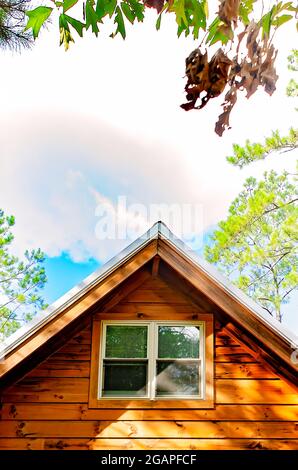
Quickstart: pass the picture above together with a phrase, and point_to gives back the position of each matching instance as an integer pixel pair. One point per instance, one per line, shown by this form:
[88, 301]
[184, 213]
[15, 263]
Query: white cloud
[103, 120]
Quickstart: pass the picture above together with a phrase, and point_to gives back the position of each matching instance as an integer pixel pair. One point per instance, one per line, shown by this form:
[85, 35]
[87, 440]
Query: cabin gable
[49, 408]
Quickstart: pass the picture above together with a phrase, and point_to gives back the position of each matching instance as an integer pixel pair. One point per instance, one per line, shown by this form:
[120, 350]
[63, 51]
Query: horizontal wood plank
[58, 368]
[80, 411]
[224, 340]
[255, 391]
[246, 391]
[148, 444]
[160, 295]
[73, 352]
[84, 337]
[149, 429]
[228, 370]
[152, 309]
[48, 390]
[234, 354]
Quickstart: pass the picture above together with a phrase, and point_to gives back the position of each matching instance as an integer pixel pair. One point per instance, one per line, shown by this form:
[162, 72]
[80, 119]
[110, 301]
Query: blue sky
[94, 124]
[63, 274]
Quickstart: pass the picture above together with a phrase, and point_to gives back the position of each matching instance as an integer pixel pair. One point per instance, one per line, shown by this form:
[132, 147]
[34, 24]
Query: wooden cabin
[156, 350]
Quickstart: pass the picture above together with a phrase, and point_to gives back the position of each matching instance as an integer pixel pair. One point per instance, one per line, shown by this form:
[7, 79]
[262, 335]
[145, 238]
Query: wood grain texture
[147, 444]
[48, 390]
[49, 408]
[81, 411]
[149, 429]
[62, 368]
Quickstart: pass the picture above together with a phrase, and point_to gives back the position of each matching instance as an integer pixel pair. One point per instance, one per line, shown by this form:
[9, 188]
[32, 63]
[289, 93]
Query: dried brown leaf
[240, 37]
[251, 42]
[197, 68]
[229, 11]
[268, 75]
[219, 69]
[224, 118]
[210, 78]
[197, 72]
[157, 4]
[250, 77]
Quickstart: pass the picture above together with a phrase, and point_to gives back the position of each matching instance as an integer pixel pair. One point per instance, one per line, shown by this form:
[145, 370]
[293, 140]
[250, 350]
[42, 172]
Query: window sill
[151, 404]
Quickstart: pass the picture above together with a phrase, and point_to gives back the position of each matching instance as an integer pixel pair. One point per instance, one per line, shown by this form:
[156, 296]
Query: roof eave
[78, 291]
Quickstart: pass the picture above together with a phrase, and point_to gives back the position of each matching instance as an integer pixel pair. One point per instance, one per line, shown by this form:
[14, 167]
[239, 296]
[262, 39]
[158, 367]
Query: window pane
[126, 341]
[177, 378]
[178, 341]
[124, 379]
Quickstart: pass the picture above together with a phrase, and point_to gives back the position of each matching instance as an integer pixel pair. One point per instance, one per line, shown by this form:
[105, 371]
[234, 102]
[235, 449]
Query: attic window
[152, 360]
[152, 363]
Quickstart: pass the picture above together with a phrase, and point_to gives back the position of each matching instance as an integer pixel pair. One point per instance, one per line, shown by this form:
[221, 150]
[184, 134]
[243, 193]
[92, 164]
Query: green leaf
[100, 9]
[215, 34]
[182, 28]
[119, 20]
[281, 20]
[138, 9]
[266, 22]
[198, 18]
[245, 8]
[67, 4]
[158, 22]
[205, 8]
[213, 28]
[21, 298]
[91, 18]
[37, 17]
[111, 7]
[77, 25]
[179, 8]
[128, 12]
[105, 7]
[65, 35]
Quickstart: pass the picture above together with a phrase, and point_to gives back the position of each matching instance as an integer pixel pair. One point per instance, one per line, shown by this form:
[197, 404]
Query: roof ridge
[159, 230]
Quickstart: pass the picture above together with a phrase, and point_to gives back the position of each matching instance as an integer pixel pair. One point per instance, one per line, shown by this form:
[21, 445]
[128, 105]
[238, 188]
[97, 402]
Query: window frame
[152, 358]
[205, 400]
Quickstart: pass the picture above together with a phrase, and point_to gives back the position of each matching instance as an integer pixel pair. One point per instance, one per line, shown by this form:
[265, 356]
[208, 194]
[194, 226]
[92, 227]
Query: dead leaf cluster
[229, 11]
[257, 67]
[208, 79]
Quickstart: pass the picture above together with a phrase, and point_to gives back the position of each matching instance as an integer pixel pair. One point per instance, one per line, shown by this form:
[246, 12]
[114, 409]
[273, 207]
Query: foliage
[251, 152]
[20, 281]
[257, 245]
[12, 23]
[292, 88]
[241, 30]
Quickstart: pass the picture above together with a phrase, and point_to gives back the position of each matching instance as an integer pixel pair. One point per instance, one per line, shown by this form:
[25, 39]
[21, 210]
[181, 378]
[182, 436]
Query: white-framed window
[152, 360]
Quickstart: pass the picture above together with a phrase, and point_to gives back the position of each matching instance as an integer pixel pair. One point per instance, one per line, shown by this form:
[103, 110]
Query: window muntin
[152, 360]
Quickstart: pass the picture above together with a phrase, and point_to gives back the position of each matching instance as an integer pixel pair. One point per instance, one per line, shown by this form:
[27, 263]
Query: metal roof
[158, 230]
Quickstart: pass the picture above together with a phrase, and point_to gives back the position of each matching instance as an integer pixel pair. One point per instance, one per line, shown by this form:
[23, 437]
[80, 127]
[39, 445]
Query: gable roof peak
[178, 250]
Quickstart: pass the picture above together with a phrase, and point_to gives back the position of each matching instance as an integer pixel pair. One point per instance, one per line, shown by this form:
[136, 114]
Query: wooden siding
[48, 409]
